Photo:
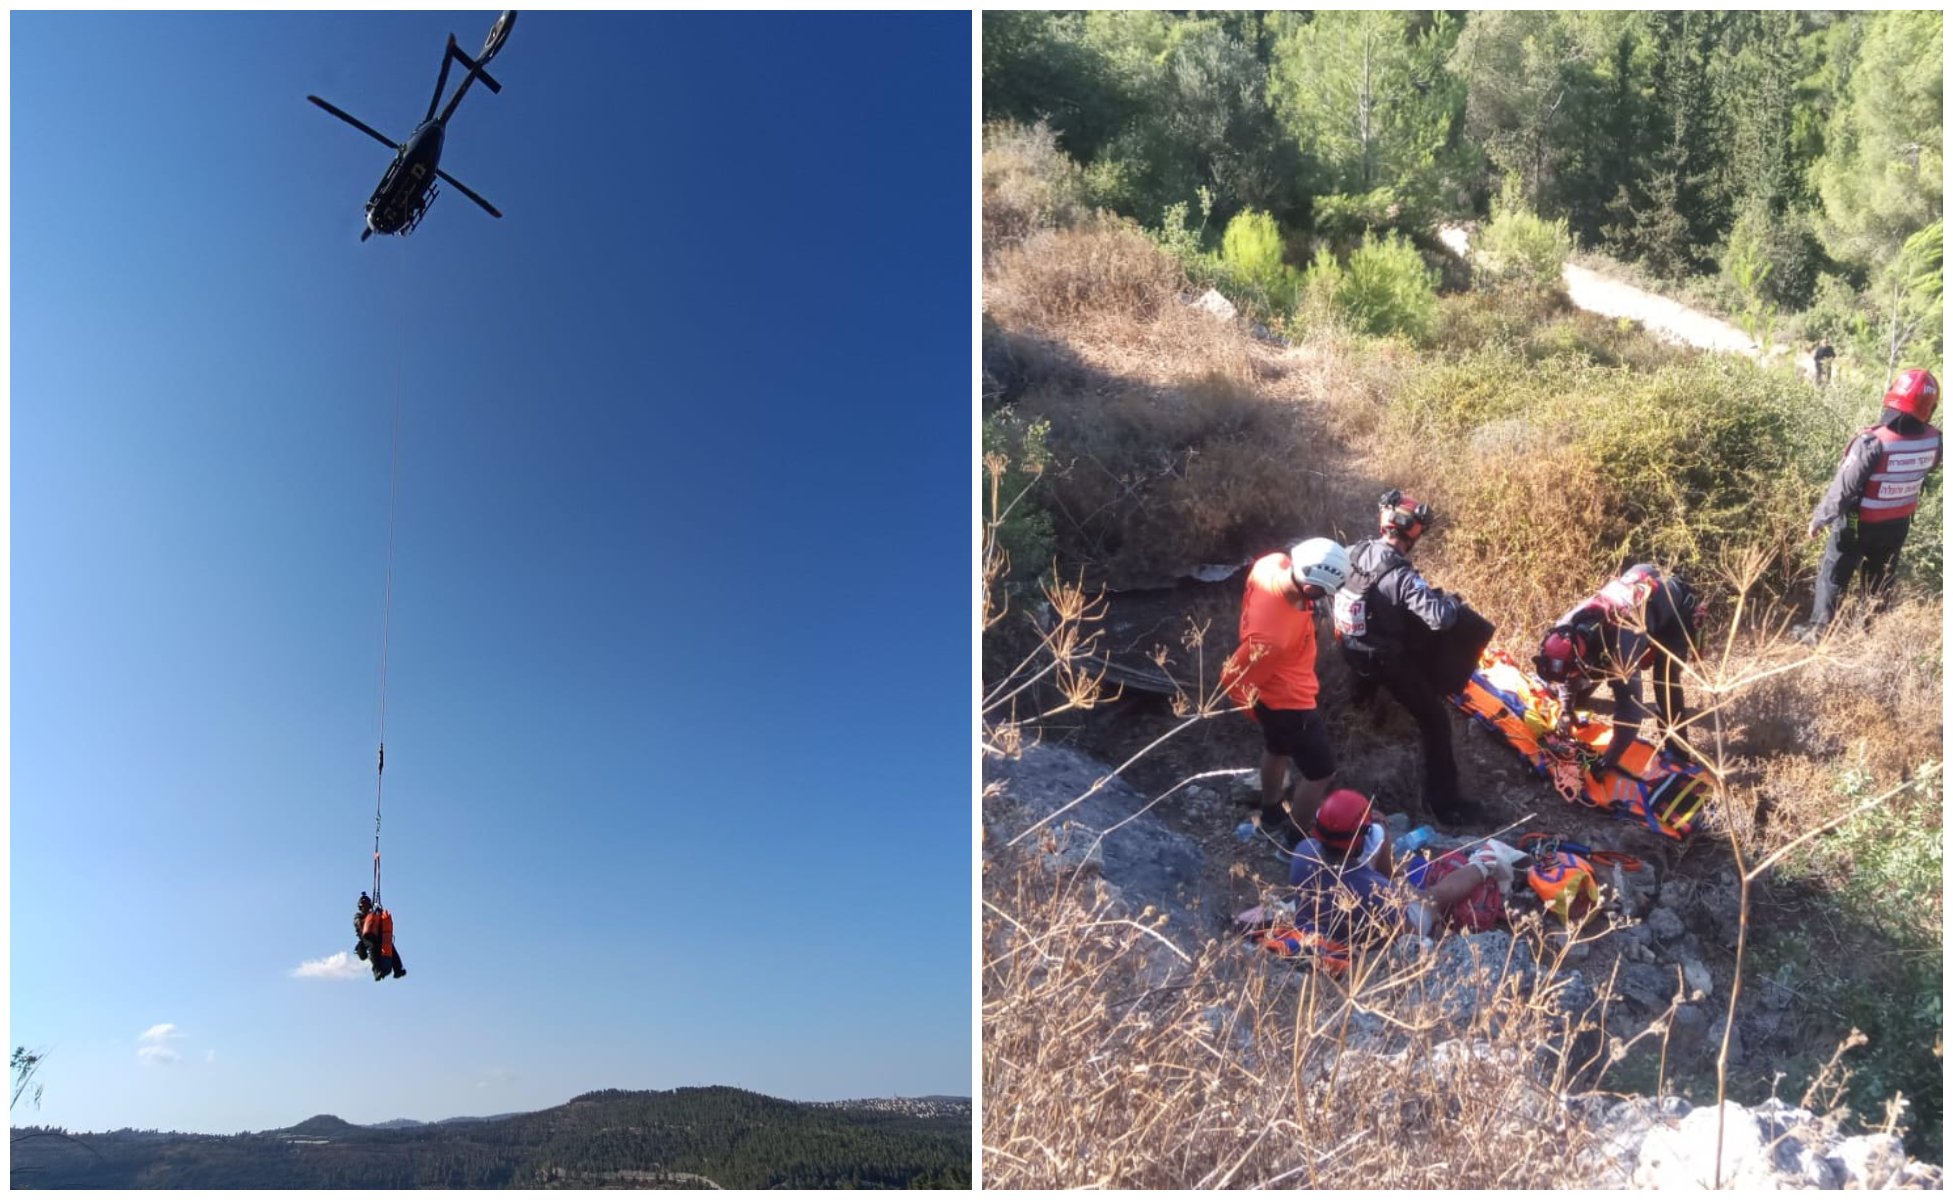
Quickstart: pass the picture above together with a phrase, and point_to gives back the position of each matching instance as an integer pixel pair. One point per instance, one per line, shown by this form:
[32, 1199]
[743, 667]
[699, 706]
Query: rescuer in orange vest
[375, 929]
[1869, 505]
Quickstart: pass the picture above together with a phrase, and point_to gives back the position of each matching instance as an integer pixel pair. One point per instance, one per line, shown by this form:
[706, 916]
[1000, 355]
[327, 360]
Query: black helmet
[1404, 514]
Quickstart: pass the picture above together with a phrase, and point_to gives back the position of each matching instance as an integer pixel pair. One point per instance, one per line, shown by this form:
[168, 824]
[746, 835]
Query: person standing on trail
[1868, 507]
[1272, 673]
[1822, 356]
[1375, 611]
[1638, 621]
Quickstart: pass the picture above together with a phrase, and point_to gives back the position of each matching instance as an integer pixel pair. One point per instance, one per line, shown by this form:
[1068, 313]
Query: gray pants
[1874, 545]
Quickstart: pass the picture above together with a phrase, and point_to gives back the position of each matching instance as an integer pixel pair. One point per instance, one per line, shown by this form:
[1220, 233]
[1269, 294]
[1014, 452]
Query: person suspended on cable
[375, 928]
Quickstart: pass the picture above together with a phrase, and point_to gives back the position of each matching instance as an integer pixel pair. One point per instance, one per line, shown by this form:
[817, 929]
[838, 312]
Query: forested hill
[688, 1137]
[1782, 168]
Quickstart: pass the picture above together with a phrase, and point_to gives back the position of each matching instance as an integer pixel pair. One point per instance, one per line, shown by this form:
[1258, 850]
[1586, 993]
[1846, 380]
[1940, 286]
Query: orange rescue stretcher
[1649, 786]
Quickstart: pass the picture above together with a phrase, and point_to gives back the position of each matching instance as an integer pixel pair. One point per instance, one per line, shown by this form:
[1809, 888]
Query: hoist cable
[386, 610]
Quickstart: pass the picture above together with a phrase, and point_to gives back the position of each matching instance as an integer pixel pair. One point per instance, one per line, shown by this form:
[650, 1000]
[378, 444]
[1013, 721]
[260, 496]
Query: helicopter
[408, 188]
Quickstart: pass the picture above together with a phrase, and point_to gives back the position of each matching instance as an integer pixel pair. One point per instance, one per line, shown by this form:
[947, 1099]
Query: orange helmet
[1341, 818]
[1914, 392]
[1565, 881]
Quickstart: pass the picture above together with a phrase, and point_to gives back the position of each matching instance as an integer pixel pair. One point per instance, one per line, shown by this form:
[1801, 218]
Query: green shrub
[1341, 220]
[1560, 471]
[1252, 249]
[1879, 877]
[1023, 531]
[1385, 288]
[1518, 246]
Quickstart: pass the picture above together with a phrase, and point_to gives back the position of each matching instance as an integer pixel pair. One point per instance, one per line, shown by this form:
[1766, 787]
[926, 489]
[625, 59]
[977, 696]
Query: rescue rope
[386, 610]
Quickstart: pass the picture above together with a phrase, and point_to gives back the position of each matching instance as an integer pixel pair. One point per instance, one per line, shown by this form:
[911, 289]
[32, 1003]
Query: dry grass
[1112, 1060]
[1117, 303]
[1794, 734]
[1178, 440]
[1029, 184]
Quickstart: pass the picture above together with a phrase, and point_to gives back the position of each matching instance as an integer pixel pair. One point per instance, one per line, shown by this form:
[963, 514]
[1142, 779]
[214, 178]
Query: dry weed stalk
[1111, 1059]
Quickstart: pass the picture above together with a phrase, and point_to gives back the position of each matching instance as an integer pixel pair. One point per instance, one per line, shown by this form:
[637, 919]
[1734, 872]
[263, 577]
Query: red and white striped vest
[1893, 490]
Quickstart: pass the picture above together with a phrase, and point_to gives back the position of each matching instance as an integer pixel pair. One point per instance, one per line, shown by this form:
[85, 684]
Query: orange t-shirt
[1277, 654]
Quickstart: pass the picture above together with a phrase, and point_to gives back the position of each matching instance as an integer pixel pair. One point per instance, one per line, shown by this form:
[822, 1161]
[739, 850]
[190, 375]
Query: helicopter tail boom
[475, 69]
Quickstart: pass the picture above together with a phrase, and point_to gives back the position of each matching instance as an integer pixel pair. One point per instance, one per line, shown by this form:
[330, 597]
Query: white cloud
[332, 966]
[153, 1045]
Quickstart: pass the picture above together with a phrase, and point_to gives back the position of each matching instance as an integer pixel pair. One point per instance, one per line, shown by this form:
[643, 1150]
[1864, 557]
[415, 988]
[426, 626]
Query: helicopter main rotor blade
[358, 124]
[466, 191]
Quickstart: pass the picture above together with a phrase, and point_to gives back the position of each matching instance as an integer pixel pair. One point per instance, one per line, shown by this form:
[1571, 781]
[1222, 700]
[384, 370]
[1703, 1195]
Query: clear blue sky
[678, 725]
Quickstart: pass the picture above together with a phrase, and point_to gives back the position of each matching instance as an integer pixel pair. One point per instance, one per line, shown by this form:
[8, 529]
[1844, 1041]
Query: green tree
[1193, 114]
[1758, 83]
[1039, 66]
[1527, 85]
[1880, 177]
[1910, 294]
[1365, 95]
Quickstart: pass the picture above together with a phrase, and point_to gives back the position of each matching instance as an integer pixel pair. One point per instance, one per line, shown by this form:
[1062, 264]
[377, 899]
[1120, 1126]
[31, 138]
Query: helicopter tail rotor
[497, 34]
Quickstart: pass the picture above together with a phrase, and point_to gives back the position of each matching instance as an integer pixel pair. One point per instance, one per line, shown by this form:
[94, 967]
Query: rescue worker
[1640, 621]
[1273, 669]
[1342, 873]
[364, 907]
[1868, 507]
[1374, 614]
[1822, 355]
[375, 929]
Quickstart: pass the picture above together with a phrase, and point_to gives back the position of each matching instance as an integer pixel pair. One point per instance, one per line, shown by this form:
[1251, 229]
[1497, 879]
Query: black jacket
[1384, 594]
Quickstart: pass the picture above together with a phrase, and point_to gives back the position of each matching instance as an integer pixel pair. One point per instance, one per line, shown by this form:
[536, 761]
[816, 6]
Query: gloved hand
[361, 951]
[1493, 865]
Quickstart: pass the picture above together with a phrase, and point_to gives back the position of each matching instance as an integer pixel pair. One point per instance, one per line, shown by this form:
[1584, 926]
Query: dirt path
[1611, 298]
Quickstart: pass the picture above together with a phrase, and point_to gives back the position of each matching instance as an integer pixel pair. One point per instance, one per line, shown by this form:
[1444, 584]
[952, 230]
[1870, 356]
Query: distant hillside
[688, 1137]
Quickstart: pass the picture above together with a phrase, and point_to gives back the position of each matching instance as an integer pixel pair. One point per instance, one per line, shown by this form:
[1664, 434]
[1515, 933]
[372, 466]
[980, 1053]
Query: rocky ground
[1676, 929]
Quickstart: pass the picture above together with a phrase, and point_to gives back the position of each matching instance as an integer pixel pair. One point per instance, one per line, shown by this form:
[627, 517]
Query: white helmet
[1321, 562]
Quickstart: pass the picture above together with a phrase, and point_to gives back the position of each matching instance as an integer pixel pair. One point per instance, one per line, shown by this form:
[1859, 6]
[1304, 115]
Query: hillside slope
[688, 1137]
[1135, 437]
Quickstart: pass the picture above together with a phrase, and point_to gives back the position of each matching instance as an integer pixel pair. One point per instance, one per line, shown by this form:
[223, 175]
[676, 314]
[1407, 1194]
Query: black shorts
[1299, 734]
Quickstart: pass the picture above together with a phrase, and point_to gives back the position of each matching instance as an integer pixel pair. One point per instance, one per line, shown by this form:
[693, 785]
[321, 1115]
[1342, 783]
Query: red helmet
[1914, 392]
[1341, 818]
[1403, 514]
[1564, 652]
